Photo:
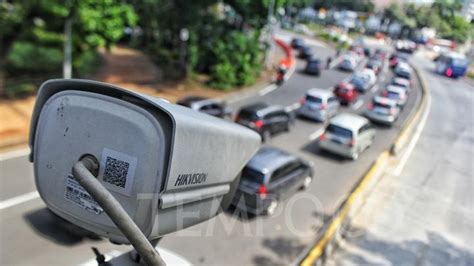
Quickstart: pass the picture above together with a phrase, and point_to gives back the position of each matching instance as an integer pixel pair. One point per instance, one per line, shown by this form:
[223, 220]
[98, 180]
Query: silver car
[396, 93]
[318, 104]
[383, 110]
[401, 82]
[347, 135]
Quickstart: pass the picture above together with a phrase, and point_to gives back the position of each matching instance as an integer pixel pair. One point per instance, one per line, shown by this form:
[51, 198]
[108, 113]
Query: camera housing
[169, 167]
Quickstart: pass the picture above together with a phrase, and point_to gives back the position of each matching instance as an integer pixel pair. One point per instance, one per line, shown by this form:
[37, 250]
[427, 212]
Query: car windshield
[252, 175]
[339, 131]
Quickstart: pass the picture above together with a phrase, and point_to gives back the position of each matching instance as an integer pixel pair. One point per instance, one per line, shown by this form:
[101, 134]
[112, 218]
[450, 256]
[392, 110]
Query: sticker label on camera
[117, 171]
[77, 194]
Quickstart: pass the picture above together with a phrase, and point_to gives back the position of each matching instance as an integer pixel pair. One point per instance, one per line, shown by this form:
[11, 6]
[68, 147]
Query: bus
[452, 65]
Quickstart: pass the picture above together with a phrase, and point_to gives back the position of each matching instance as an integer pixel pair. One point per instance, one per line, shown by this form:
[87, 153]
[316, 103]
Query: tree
[35, 29]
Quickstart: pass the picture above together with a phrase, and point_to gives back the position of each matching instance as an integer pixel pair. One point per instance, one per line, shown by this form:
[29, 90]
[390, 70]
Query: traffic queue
[273, 174]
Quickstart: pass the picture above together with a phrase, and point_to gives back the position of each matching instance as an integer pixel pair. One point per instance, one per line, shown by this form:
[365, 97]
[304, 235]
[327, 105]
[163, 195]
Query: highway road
[431, 196]
[29, 234]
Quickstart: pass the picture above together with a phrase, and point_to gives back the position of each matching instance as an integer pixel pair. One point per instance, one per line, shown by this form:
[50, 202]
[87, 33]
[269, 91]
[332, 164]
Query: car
[383, 110]
[348, 63]
[313, 66]
[396, 58]
[367, 51]
[360, 82]
[318, 104]
[375, 65]
[346, 92]
[305, 52]
[264, 119]
[403, 70]
[370, 75]
[405, 46]
[209, 106]
[381, 53]
[396, 93]
[401, 82]
[347, 135]
[268, 178]
[297, 43]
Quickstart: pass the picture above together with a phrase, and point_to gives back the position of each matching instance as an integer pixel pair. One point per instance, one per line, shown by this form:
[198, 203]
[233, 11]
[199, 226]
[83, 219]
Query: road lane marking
[357, 104]
[14, 154]
[291, 108]
[316, 134]
[19, 200]
[267, 89]
[416, 136]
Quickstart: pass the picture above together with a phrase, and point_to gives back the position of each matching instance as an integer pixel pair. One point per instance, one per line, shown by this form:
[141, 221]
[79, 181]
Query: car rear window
[339, 131]
[248, 115]
[381, 105]
[252, 175]
[313, 99]
[313, 64]
[393, 95]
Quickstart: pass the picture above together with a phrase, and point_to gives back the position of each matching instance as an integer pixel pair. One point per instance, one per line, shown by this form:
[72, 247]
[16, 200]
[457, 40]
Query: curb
[326, 242]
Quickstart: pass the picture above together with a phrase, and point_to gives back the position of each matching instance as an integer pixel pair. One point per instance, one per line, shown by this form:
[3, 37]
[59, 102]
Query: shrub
[29, 58]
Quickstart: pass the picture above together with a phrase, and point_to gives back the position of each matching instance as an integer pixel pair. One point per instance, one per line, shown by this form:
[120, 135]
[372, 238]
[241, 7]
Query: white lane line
[411, 146]
[374, 88]
[316, 134]
[292, 107]
[14, 154]
[357, 104]
[18, 200]
[267, 89]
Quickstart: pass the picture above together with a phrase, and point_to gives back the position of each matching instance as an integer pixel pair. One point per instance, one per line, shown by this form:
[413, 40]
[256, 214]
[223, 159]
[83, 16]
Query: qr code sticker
[116, 172]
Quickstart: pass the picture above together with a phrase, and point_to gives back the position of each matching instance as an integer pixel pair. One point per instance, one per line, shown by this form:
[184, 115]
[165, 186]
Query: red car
[346, 93]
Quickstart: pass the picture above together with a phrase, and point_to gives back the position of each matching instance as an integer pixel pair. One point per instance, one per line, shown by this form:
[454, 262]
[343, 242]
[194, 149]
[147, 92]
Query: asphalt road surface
[424, 214]
[29, 234]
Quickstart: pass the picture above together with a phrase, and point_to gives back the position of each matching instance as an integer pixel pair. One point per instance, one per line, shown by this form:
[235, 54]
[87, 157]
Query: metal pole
[67, 62]
[269, 54]
[82, 172]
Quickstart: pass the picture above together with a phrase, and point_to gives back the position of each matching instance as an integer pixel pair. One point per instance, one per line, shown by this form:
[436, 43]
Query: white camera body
[159, 160]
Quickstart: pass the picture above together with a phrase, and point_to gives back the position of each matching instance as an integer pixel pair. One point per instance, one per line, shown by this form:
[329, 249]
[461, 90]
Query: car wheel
[307, 181]
[266, 135]
[272, 207]
[355, 156]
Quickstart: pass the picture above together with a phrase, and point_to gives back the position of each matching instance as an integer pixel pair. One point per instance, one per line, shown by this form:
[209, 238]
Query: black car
[297, 43]
[269, 177]
[305, 52]
[209, 106]
[313, 66]
[264, 119]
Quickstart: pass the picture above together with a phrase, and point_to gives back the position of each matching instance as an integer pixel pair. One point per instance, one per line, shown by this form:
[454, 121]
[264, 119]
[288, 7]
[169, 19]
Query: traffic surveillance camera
[159, 160]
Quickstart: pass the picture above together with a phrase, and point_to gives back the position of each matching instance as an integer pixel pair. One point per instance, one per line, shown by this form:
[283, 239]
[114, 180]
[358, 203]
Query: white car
[396, 93]
[403, 70]
[347, 135]
[401, 82]
[370, 74]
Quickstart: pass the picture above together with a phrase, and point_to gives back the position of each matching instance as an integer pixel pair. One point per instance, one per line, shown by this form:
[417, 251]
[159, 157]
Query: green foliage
[20, 89]
[356, 5]
[26, 57]
[441, 15]
[86, 63]
[237, 61]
